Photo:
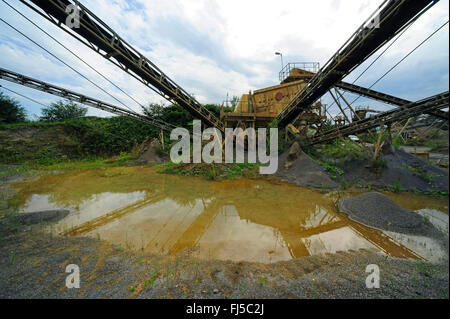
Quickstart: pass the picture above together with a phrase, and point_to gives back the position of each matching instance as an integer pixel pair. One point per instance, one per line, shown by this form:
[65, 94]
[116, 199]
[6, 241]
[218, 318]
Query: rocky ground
[402, 171]
[33, 263]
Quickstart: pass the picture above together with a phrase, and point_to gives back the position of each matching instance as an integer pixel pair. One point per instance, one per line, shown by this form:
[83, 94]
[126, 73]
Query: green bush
[61, 111]
[175, 115]
[108, 136]
[10, 110]
[340, 149]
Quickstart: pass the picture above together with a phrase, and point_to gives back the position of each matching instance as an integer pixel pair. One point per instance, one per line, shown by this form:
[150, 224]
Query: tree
[154, 110]
[10, 110]
[175, 115]
[60, 111]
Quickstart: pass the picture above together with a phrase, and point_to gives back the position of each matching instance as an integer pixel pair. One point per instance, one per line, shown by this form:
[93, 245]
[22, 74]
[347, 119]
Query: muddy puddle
[252, 220]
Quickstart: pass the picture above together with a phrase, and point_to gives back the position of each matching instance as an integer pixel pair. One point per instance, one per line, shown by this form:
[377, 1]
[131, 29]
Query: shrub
[60, 111]
[10, 110]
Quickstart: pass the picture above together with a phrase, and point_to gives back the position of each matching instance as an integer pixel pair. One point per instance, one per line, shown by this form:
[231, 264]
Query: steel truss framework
[433, 103]
[80, 98]
[386, 98]
[98, 36]
[385, 23]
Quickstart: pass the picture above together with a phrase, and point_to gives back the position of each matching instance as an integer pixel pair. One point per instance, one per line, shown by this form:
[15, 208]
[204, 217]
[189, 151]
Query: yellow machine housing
[259, 108]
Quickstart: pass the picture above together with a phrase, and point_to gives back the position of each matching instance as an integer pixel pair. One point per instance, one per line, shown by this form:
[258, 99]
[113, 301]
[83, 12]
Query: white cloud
[214, 47]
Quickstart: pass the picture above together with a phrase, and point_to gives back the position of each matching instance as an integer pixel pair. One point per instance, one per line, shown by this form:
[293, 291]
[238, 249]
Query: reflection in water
[229, 235]
[238, 220]
[96, 206]
[426, 247]
[341, 239]
[437, 218]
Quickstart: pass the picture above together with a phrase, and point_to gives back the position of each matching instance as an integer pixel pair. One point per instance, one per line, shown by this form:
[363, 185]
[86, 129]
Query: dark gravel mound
[406, 170]
[378, 210]
[37, 217]
[296, 167]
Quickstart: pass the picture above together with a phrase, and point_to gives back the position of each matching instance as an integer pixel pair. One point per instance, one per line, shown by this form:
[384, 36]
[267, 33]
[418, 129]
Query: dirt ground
[148, 151]
[33, 263]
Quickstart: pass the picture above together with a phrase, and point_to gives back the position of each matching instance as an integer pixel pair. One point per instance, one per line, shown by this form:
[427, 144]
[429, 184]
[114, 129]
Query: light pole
[281, 55]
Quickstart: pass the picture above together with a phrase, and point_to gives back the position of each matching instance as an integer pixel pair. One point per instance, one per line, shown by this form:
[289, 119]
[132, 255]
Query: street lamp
[281, 55]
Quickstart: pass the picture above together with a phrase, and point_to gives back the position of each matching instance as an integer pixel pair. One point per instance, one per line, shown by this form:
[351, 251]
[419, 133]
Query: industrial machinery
[260, 107]
[361, 113]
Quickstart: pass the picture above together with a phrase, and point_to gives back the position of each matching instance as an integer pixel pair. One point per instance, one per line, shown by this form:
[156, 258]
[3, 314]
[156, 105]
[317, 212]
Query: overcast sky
[211, 48]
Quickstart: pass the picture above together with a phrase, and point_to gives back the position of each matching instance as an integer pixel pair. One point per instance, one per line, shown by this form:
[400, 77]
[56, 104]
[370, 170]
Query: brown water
[251, 220]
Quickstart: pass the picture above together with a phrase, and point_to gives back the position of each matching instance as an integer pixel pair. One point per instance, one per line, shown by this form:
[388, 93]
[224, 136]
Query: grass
[7, 171]
[396, 188]
[149, 283]
[341, 149]
[262, 281]
[213, 171]
[378, 165]
[330, 168]
[33, 167]
[120, 252]
[344, 184]
[429, 177]
[427, 269]
[12, 257]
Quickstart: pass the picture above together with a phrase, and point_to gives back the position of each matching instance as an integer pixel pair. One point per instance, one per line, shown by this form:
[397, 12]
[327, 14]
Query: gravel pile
[45, 216]
[402, 169]
[294, 166]
[379, 211]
